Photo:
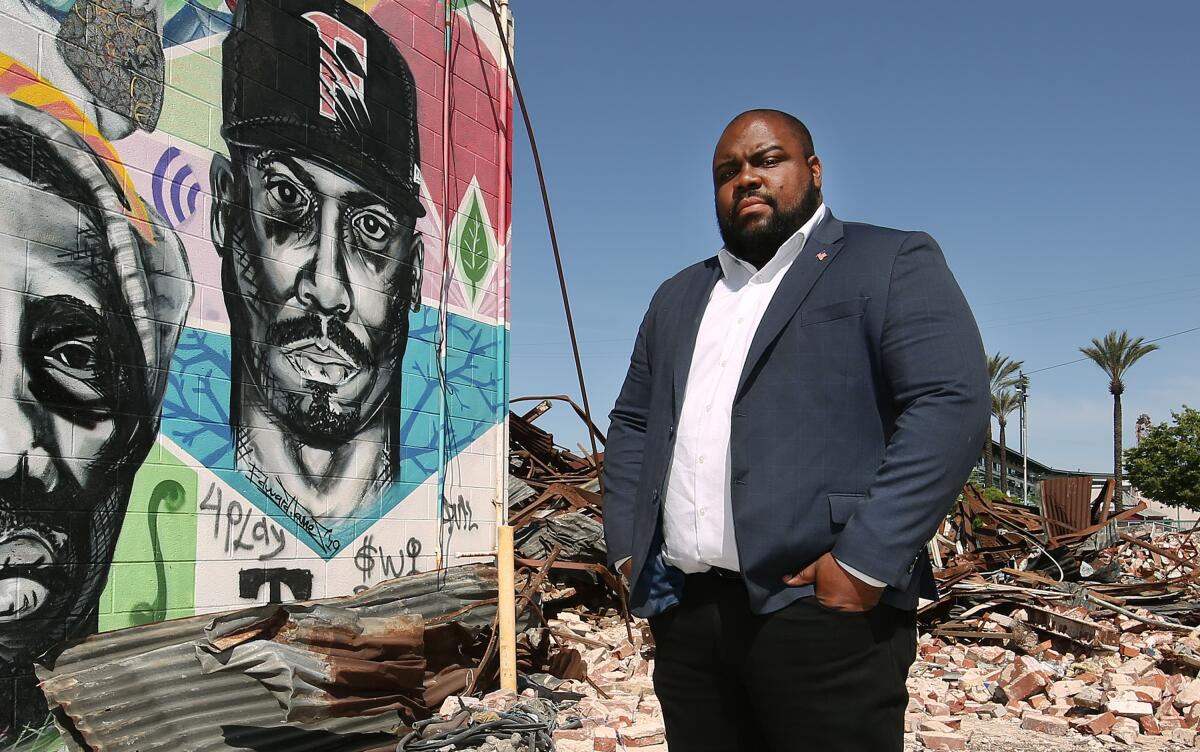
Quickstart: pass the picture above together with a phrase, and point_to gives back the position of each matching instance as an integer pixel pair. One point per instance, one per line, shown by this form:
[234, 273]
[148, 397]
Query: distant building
[1039, 471]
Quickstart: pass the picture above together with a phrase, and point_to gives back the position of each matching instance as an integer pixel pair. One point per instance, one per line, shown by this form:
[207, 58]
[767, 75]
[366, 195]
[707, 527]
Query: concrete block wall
[237, 365]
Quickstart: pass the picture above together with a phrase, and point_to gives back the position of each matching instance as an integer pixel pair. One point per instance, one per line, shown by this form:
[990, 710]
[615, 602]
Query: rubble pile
[555, 503]
[1071, 619]
[1118, 696]
[1074, 621]
[611, 709]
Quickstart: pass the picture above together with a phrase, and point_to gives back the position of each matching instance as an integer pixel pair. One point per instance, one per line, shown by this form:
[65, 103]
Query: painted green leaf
[474, 253]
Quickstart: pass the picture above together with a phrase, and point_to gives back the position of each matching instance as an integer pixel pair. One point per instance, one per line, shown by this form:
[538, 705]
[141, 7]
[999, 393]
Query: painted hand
[836, 589]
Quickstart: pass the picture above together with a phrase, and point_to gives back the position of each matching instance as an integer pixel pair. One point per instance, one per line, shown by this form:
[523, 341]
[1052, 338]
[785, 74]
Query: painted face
[324, 269]
[62, 437]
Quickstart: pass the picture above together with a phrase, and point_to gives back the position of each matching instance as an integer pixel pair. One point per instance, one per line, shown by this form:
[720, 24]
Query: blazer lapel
[793, 289]
[691, 311]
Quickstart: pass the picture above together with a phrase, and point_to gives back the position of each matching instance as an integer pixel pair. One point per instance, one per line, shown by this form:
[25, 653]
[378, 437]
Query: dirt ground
[1001, 735]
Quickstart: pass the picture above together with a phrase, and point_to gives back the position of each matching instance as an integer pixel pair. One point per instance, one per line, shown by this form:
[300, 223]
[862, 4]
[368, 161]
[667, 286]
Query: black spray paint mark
[368, 556]
[291, 506]
[458, 516]
[244, 527]
[298, 581]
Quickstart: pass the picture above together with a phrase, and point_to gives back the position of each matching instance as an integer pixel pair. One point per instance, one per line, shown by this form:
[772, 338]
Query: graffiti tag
[292, 507]
[369, 555]
[242, 527]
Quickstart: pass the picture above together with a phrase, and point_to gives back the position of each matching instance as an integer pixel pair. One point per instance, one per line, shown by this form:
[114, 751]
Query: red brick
[1129, 708]
[1047, 724]
[942, 740]
[1149, 725]
[1100, 724]
[604, 740]
[643, 735]
[1024, 685]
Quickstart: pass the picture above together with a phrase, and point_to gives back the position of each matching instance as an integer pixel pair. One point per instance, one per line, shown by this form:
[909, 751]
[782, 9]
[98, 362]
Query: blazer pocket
[843, 309]
[843, 506]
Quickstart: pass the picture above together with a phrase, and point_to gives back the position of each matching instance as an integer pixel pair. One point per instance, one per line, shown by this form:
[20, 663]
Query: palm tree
[1003, 405]
[1002, 375]
[1115, 354]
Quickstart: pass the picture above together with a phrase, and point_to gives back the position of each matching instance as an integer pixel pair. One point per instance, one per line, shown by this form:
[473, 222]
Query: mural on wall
[92, 297]
[236, 365]
[315, 219]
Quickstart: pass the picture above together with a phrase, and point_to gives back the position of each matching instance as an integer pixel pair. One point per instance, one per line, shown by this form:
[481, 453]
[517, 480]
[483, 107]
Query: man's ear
[418, 263]
[814, 164]
[220, 177]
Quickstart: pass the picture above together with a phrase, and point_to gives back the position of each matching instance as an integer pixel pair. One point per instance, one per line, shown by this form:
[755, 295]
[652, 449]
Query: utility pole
[1023, 388]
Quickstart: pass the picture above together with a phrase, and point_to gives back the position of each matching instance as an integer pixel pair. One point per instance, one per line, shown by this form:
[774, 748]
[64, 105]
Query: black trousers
[802, 678]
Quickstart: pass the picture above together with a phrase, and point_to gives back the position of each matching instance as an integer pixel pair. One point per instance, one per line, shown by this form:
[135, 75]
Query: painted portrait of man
[91, 303]
[314, 217]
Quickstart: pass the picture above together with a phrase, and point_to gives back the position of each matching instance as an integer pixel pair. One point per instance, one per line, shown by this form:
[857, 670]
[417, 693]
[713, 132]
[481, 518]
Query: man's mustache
[26, 506]
[313, 326]
[738, 197]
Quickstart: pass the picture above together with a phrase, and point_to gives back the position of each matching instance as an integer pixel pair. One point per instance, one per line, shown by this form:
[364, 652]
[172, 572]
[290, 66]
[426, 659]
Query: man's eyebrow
[366, 197]
[293, 166]
[764, 149]
[724, 163]
[758, 152]
[67, 312]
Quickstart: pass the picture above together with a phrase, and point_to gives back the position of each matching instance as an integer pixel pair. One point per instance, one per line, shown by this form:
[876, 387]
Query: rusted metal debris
[555, 500]
[1064, 576]
[536, 459]
[349, 673]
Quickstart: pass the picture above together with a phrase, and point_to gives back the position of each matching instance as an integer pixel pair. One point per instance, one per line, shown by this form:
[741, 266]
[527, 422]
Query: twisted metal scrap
[533, 721]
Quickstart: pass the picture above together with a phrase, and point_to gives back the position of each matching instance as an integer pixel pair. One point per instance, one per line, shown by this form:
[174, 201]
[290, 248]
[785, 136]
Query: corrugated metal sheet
[1067, 504]
[146, 688]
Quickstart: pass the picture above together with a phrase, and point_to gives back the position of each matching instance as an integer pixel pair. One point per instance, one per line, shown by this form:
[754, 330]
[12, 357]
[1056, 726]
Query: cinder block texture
[253, 307]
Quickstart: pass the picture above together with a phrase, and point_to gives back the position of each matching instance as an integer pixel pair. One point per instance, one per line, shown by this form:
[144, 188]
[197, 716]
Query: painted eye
[286, 194]
[75, 357]
[73, 367]
[373, 226]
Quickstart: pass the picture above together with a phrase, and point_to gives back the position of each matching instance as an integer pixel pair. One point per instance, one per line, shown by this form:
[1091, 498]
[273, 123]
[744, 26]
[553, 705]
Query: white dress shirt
[698, 504]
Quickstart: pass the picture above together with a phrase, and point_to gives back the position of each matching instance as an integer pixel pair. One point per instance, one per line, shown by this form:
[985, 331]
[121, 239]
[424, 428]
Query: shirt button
[701, 512]
[700, 460]
[741, 319]
[708, 408]
[723, 362]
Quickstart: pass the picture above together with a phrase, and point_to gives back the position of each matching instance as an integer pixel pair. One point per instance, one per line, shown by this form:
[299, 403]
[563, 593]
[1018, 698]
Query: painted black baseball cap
[319, 78]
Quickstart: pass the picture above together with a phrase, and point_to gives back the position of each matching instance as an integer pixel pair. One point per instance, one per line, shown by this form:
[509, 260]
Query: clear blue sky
[1053, 149]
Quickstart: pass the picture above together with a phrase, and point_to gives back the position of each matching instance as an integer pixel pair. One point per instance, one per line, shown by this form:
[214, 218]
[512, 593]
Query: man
[799, 413]
[91, 304]
[314, 218]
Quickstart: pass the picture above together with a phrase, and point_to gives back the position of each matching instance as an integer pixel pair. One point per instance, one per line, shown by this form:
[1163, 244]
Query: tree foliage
[1003, 375]
[1115, 354]
[1165, 465]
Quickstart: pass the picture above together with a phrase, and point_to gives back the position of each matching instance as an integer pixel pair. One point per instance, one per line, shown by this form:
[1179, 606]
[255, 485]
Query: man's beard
[54, 565]
[760, 244]
[320, 420]
[47, 569]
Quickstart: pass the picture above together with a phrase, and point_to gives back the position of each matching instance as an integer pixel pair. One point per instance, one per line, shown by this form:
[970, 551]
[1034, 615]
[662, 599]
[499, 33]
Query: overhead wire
[1080, 360]
[562, 280]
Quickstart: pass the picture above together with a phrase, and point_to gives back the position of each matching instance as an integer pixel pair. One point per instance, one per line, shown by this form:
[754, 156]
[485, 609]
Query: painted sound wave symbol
[176, 188]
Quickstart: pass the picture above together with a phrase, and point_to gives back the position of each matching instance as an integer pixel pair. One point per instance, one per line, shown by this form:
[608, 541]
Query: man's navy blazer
[861, 407]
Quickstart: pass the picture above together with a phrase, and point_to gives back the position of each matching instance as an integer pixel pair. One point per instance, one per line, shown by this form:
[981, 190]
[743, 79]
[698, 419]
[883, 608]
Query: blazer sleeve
[935, 369]
[625, 447]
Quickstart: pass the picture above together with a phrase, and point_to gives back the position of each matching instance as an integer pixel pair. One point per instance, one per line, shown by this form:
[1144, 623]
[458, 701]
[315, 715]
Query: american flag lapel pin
[822, 256]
